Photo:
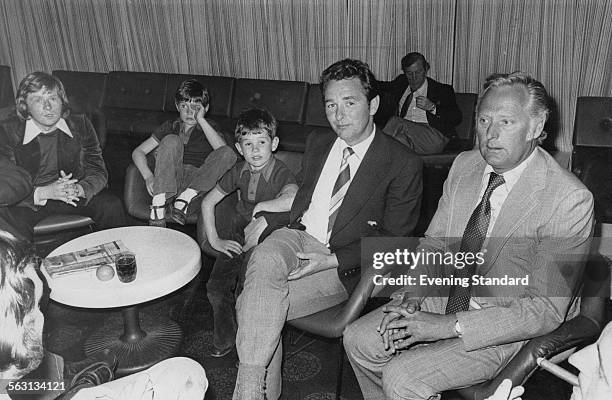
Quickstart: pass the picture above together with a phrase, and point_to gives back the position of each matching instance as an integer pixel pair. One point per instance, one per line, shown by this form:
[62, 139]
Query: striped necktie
[472, 241]
[340, 188]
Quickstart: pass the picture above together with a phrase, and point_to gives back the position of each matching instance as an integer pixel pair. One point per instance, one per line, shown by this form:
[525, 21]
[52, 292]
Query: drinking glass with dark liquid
[125, 263]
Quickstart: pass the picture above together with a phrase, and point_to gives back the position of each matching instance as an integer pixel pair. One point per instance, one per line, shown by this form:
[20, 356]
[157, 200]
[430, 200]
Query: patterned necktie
[340, 188]
[473, 238]
[406, 104]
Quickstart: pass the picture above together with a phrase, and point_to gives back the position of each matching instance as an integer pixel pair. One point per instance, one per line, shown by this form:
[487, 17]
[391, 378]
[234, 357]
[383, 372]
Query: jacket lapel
[314, 165]
[68, 150]
[518, 205]
[27, 155]
[465, 200]
[370, 174]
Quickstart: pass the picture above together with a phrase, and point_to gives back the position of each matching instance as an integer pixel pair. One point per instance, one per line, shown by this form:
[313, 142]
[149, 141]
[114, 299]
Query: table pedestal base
[136, 348]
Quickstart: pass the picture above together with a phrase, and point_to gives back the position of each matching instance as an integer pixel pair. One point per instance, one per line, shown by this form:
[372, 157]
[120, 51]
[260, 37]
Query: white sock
[158, 200]
[187, 195]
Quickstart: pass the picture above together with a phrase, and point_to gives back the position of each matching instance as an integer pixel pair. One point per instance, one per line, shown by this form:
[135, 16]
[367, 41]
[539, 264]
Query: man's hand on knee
[420, 326]
[311, 263]
[408, 305]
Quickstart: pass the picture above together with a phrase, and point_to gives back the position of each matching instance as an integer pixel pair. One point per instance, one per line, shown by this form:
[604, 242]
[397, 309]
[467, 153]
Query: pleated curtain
[567, 44]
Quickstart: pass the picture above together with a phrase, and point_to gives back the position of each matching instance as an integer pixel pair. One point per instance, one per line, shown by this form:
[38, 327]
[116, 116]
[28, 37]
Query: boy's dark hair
[255, 119]
[347, 69]
[192, 90]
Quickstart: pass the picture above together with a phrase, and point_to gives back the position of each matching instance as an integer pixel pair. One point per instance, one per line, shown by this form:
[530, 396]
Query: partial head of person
[510, 116]
[415, 67]
[189, 98]
[255, 136]
[351, 99]
[595, 365]
[21, 290]
[42, 98]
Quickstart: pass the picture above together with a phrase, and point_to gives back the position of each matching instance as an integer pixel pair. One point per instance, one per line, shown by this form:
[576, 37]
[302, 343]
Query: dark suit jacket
[447, 114]
[386, 189]
[80, 155]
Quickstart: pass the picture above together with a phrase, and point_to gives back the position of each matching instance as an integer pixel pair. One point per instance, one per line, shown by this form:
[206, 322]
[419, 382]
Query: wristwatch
[458, 329]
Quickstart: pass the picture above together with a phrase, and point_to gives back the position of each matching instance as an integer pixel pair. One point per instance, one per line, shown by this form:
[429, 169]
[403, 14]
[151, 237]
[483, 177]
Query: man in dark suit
[352, 181]
[59, 155]
[422, 113]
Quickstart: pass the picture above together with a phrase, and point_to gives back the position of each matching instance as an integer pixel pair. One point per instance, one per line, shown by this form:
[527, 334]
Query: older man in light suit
[527, 215]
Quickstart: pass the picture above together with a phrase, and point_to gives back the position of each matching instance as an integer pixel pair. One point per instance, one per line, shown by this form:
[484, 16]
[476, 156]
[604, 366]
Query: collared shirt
[414, 113]
[32, 130]
[499, 195]
[316, 217]
[255, 186]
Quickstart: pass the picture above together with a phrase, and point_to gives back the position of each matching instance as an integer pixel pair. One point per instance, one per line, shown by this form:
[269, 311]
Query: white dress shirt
[316, 217]
[499, 195]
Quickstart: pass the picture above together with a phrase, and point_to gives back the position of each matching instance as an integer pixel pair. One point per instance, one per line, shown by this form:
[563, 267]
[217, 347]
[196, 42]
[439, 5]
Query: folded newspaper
[84, 260]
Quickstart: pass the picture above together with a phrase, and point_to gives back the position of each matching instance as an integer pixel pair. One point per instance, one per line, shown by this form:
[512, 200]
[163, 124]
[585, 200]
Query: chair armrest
[135, 194]
[572, 333]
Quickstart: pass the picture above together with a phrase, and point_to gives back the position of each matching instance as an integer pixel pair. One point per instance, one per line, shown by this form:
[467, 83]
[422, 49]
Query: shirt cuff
[37, 200]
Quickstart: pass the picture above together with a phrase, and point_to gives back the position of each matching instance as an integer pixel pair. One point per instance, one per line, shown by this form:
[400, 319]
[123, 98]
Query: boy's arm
[214, 138]
[139, 156]
[209, 202]
[281, 203]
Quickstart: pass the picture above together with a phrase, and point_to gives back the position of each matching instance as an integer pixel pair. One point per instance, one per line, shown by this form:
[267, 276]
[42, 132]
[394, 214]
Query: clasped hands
[65, 189]
[405, 324]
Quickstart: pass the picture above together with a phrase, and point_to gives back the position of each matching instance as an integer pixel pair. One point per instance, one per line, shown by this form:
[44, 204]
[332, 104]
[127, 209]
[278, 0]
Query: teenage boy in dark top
[191, 155]
[264, 185]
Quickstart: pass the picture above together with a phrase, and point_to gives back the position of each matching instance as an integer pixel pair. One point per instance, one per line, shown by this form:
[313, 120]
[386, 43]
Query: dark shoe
[179, 215]
[104, 356]
[99, 368]
[157, 220]
[218, 353]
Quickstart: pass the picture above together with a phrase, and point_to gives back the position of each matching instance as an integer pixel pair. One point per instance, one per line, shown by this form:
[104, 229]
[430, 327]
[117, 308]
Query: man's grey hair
[539, 101]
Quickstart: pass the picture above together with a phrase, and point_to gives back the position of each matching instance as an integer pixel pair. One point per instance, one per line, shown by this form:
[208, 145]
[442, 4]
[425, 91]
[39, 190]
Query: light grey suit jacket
[543, 230]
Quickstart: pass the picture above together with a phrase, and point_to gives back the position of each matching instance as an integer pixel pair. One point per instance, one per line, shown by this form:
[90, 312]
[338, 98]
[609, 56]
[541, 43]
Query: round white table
[166, 260]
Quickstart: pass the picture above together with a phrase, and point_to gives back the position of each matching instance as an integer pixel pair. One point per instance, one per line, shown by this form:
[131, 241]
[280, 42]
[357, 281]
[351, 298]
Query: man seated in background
[511, 202]
[190, 156]
[22, 354]
[423, 112]
[265, 185]
[59, 156]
